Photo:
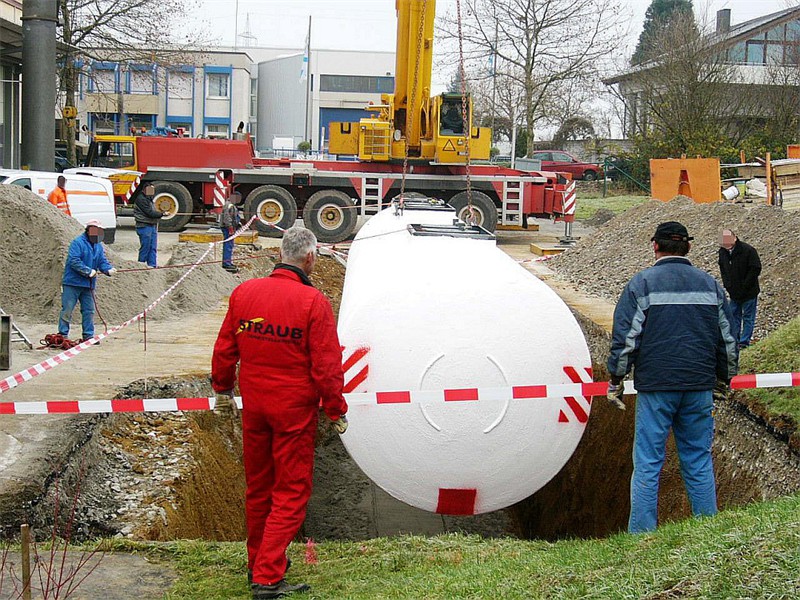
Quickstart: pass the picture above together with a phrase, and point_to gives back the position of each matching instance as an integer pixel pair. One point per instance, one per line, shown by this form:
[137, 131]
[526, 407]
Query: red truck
[328, 194]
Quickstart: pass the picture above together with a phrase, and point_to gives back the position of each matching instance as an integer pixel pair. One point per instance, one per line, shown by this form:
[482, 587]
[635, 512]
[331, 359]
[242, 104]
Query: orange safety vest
[58, 198]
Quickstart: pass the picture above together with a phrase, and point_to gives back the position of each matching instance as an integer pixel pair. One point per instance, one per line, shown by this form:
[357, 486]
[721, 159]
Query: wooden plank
[206, 237]
[531, 227]
[544, 249]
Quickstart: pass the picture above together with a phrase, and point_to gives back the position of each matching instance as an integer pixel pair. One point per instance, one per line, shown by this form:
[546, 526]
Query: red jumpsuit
[282, 332]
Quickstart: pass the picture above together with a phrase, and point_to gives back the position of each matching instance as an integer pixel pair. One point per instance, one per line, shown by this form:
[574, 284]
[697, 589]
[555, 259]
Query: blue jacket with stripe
[672, 323]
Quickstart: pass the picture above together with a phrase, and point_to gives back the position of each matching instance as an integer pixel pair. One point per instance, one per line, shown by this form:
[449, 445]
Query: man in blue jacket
[85, 259]
[672, 325]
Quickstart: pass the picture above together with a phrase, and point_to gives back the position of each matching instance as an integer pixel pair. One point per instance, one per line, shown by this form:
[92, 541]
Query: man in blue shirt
[85, 259]
[672, 325]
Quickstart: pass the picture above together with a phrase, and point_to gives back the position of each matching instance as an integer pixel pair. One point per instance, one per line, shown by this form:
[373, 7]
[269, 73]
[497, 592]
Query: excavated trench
[166, 476]
[163, 477]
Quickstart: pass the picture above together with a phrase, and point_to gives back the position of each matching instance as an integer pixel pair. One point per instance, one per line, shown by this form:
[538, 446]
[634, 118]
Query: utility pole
[236, 27]
[39, 19]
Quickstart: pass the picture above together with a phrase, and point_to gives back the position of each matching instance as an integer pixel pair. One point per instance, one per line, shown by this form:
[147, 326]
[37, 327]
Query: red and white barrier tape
[525, 392]
[44, 366]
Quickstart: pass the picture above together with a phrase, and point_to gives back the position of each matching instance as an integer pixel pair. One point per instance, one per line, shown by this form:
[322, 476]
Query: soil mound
[603, 262]
[35, 238]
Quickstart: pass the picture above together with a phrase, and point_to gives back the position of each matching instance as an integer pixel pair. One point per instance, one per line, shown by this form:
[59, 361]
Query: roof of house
[735, 33]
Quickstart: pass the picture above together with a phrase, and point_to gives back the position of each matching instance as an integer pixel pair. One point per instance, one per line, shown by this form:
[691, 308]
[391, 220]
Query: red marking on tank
[359, 378]
[463, 395]
[577, 409]
[562, 418]
[456, 502]
[354, 358]
[62, 407]
[393, 397]
[529, 391]
[133, 405]
[192, 403]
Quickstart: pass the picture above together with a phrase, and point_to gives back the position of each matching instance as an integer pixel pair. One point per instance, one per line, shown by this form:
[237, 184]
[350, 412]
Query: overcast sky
[370, 24]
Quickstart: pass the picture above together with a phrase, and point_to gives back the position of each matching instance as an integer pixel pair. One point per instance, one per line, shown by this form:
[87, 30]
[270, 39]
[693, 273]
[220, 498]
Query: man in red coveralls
[282, 332]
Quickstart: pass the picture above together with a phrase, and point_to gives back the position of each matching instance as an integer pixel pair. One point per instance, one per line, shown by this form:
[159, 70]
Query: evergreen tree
[659, 17]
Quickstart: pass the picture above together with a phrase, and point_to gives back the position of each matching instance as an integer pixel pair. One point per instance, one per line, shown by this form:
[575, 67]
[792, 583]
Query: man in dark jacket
[282, 333]
[672, 324]
[229, 222]
[85, 259]
[147, 216]
[740, 267]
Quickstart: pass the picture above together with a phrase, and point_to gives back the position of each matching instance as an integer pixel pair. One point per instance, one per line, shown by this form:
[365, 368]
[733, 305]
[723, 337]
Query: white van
[88, 197]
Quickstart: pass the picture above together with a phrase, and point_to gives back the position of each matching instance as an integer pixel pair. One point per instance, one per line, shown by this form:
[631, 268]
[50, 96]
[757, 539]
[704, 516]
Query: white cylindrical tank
[442, 313]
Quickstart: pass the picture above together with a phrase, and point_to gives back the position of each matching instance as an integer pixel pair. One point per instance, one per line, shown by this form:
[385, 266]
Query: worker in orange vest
[58, 197]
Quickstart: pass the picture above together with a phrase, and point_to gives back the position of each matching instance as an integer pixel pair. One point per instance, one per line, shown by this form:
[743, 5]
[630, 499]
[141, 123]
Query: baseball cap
[671, 230]
[94, 223]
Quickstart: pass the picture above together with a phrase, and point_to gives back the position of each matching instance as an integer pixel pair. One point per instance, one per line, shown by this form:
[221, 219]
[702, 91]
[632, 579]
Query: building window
[104, 81]
[755, 53]
[141, 81]
[253, 97]
[186, 127]
[356, 83]
[104, 123]
[180, 86]
[217, 85]
[140, 123]
[218, 131]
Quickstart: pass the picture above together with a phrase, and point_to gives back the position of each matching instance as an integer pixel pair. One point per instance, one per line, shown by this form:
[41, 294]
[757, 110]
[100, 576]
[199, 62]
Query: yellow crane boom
[409, 121]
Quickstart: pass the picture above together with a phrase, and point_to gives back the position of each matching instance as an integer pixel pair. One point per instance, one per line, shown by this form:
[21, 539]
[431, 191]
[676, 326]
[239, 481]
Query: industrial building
[214, 93]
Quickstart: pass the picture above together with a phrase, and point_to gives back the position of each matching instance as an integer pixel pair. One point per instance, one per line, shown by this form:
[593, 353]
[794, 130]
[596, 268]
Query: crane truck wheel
[271, 205]
[330, 215]
[175, 202]
[485, 210]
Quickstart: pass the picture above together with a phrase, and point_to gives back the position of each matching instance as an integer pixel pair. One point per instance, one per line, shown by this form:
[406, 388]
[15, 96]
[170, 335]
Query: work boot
[277, 590]
[231, 268]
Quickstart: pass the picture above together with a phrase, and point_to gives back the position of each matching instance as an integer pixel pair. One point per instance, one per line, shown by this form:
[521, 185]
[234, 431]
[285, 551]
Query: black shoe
[86, 339]
[231, 268]
[277, 590]
[250, 573]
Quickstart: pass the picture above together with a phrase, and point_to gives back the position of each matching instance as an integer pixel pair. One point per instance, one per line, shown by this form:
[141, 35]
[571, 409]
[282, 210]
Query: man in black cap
[672, 323]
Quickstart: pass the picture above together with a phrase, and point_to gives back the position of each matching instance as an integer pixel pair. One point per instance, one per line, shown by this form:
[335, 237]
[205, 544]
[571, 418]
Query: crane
[410, 124]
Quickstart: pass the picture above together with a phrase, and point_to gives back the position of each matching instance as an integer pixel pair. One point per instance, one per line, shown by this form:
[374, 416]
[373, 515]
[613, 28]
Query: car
[558, 160]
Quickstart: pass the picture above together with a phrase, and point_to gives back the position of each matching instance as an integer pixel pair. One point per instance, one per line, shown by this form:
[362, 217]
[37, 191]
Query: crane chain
[466, 124]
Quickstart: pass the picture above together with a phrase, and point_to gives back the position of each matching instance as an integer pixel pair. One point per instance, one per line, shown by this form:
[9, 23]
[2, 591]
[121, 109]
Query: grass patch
[752, 552]
[778, 353]
[618, 204]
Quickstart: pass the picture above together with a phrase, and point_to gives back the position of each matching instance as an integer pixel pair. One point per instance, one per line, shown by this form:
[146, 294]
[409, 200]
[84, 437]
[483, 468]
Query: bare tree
[121, 30]
[538, 44]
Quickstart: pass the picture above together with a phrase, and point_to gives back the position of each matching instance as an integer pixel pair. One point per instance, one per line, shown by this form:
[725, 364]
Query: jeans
[227, 247]
[744, 320]
[70, 295]
[689, 416]
[148, 244]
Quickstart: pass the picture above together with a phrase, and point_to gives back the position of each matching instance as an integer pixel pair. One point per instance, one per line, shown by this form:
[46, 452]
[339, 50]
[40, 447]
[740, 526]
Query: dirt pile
[35, 238]
[603, 262]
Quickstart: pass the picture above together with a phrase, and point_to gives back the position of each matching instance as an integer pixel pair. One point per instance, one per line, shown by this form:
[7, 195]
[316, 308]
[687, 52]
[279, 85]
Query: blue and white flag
[304, 67]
